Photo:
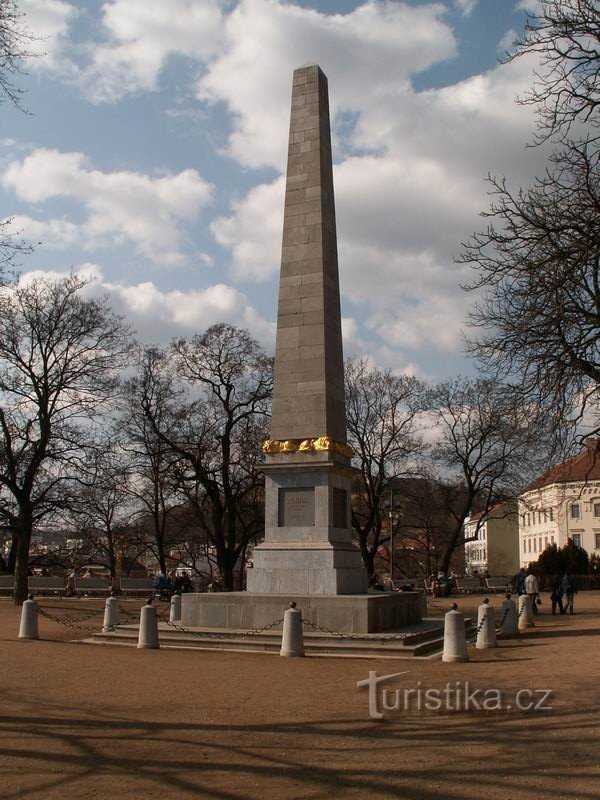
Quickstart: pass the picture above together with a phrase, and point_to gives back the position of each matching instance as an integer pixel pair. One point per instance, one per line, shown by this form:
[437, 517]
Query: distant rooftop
[583, 467]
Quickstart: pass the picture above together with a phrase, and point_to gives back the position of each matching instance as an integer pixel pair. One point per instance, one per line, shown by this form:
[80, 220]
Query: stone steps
[423, 642]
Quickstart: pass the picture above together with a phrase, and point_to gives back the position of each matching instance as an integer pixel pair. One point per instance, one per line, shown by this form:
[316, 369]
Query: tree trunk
[22, 555]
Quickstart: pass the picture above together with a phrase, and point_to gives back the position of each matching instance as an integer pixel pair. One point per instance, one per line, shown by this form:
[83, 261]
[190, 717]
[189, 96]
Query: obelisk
[308, 547]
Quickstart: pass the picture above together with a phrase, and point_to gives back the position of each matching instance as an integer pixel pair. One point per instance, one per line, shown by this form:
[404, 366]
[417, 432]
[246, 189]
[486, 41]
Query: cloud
[140, 38]
[368, 55]
[465, 7]
[121, 206]
[158, 315]
[49, 22]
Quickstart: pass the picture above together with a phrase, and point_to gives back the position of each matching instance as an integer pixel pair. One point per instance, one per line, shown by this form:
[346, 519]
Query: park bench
[136, 586]
[93, 586]
[7, 583]
[500, 584]
[412, 582]
[468, 585]
[46, 585]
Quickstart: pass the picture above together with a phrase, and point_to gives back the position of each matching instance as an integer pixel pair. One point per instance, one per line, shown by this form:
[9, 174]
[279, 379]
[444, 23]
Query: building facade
[492, 545]
[562, 504]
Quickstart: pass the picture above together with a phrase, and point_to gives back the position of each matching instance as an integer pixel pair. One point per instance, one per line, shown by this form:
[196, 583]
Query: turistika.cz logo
[455, 696]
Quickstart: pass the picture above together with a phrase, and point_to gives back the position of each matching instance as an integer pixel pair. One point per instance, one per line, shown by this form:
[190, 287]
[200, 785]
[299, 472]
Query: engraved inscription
[297, 507]
[340, 505]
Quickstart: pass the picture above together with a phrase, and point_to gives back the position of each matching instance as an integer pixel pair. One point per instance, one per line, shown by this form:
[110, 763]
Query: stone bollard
[148, 635]
[111, 614]
[525, 613]
[509, 625]
[455, 639]
[292, 639]
[29, 620]
[486, 627]
[175, 611]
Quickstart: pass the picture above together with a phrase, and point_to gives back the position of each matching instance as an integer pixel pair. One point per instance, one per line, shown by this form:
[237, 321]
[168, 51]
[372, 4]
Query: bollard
[175, 611]
[148, 635]
[292, 639]
[455, 639]
[525, 613]
[486, 627]
[29, 620]
[111, 614]
[510, 619]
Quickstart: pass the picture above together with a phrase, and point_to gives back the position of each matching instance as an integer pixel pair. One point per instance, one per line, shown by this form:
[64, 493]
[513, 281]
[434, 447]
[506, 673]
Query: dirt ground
[85, 721]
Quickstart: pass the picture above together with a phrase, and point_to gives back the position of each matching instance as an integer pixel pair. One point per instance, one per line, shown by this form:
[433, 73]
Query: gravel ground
[85, 721]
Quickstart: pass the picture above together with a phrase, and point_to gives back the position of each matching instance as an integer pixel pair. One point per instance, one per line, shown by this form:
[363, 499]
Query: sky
[152, 158]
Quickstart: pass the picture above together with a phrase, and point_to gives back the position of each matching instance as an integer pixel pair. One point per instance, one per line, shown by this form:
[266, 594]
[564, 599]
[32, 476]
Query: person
[557, 596]
[162, 586]
[519, 582]
[71, 588]
[569, 588]
[532, 590]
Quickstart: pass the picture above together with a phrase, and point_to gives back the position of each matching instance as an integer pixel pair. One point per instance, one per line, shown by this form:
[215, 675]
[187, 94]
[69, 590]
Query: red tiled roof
[583, 467]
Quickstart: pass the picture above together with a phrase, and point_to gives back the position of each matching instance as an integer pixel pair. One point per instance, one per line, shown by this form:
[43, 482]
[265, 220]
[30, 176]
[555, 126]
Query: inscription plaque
[340, 504]
[297, 507]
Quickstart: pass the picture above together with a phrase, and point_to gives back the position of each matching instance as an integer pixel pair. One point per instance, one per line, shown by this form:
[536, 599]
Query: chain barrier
[393, 637]
[71, 622]
[224, 636]
[504, 616]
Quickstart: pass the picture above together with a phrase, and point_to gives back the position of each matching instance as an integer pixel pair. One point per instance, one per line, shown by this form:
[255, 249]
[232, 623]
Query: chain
[224, 636]
[504, 616]
[393, 637]
[71, 622]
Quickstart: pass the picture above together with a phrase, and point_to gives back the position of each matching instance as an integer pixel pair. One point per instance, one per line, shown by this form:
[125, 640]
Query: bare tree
[487, 448]
[59, 357]
[216, 433]
[15, 48]
[564, 36]
[156, 465]
[381, 418]
[538, 273]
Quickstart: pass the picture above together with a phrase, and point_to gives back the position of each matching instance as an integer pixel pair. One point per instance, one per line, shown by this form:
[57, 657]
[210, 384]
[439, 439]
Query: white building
[495, 548]
[564, 503]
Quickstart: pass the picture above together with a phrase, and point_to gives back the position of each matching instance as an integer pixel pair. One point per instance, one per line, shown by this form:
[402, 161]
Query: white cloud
[528, 5]
[121, 206]
[158, 315]
[253, 231]
[141, 36]
[505, 45]
[368, 55]
[466, 7]
[49, 22]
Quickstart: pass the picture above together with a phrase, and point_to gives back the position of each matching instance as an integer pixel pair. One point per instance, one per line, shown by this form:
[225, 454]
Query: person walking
[519, 582]
[569, 588]
[532, 590]
[557, 596]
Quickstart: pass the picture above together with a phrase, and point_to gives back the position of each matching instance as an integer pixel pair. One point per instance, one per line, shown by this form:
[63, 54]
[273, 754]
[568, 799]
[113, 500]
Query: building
[564, 503]
[494, 545]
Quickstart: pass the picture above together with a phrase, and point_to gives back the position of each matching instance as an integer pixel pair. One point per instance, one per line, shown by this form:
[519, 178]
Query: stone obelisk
[308, 540]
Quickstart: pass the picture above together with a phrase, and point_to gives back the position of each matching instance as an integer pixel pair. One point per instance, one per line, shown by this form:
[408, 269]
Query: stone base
[367, 613]
[304, 568]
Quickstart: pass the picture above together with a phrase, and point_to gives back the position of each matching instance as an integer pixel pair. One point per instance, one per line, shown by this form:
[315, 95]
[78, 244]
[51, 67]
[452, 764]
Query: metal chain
[71, 622]
[390, 638]
[224, 636]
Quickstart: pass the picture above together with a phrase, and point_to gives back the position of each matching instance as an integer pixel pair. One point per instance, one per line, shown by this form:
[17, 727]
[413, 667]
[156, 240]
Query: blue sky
[153, 157]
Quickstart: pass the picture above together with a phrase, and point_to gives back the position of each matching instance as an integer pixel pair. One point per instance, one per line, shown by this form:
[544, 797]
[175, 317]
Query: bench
[137, 586]
[46, 585]
[7, 583]
[98, 586]
[469, 585]
[502, 584]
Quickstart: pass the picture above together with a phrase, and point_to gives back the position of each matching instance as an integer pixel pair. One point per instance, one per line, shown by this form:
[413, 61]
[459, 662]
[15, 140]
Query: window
[535, 545]
[551, 517]
[545, 542]
[529, 545]
[524, 546]
[545, 516]
[552, 540]
[597, 535]
[540, 544]
[575, 511]
[597, 509]
[576, 539]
